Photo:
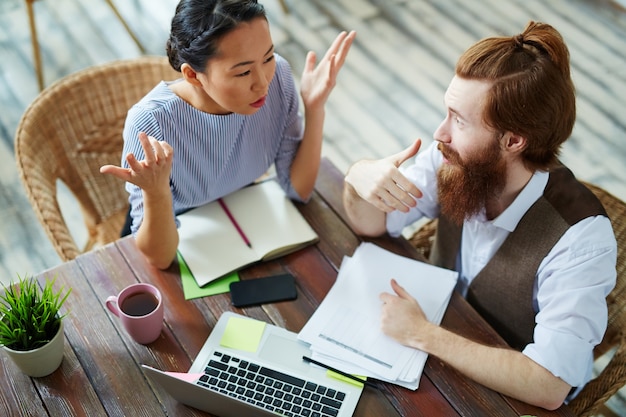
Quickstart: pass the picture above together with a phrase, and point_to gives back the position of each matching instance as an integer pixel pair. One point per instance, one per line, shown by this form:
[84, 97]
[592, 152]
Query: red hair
[532, 92]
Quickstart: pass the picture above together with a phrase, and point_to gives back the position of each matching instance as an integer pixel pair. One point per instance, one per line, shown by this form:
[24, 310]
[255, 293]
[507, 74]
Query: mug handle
[111, 304]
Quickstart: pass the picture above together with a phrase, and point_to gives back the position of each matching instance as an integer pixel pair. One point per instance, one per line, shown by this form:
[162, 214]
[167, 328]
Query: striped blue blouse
[215, 155]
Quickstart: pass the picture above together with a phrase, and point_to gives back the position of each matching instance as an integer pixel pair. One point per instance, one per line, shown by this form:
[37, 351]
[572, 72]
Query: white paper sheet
[345, 329]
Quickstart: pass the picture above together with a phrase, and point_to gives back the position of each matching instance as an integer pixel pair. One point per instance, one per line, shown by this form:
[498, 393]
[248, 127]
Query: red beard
[465, 186]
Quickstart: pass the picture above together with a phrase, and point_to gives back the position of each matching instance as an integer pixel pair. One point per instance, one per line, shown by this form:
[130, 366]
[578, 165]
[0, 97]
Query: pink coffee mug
[140, 308]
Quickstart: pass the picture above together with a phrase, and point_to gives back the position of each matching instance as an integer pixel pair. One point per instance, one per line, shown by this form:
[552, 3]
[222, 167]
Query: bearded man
[533, 247]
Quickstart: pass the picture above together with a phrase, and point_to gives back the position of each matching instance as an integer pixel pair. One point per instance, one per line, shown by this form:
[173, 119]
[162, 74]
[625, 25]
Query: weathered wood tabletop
[101, 374]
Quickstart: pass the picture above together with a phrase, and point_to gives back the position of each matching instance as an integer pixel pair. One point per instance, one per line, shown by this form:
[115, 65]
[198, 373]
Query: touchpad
[285, 352]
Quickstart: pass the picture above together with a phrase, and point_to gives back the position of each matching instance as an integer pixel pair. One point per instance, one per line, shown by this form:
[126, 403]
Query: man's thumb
[409, 152]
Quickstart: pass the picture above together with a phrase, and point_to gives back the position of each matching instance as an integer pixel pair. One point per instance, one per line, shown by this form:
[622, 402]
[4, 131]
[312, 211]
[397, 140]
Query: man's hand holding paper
[345, 332]
[401, 312]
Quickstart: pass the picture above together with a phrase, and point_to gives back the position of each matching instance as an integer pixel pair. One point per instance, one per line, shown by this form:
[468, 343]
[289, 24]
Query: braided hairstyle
[198, 25]
[532, 93]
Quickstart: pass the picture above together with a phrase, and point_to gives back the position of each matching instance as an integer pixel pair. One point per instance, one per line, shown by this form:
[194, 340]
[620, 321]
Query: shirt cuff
[565, 356]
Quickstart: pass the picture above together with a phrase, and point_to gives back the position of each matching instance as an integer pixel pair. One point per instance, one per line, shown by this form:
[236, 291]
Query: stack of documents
[344, 332]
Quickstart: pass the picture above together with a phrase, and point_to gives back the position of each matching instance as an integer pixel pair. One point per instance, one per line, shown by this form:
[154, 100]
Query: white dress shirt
[572, 281]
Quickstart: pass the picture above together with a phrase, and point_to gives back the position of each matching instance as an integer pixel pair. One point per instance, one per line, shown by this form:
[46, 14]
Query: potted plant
[31, 327]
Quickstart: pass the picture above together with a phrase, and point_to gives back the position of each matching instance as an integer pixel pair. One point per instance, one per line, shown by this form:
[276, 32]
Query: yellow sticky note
[243, 334]
[340, 377]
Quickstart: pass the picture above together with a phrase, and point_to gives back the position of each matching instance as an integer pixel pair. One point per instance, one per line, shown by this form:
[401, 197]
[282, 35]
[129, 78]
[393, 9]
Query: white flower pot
[41, 361]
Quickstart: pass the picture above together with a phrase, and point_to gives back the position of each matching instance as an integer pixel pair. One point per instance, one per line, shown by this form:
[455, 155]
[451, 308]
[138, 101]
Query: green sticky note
[333, 374]
[191, 289]
[243, 334]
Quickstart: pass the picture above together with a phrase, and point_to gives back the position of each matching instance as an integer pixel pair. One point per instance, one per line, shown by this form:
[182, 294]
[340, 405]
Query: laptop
[251, 368]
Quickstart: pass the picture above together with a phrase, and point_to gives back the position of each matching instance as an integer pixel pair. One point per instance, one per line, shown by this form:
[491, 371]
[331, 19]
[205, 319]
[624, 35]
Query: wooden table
[101, 374]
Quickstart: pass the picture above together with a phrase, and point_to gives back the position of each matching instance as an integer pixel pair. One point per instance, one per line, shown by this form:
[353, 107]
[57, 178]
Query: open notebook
[212, 246]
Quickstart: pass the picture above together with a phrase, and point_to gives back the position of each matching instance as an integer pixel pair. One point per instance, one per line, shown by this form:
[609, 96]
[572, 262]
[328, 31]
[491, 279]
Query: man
[533, 247]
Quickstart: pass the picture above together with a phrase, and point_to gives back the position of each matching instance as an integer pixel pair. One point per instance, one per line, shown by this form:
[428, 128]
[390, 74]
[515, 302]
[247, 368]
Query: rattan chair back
[68, 132]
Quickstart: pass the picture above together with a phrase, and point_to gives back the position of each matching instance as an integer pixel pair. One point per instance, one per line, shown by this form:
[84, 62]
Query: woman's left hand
[318, 81]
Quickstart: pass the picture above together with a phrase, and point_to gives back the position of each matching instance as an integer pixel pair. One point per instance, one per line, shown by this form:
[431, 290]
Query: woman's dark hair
[532, 94]
[198, 25]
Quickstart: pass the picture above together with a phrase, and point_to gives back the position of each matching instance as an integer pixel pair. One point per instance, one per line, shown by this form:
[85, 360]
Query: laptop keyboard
[269, 389]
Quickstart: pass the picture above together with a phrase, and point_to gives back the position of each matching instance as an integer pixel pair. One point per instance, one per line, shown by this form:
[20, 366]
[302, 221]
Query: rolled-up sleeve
[572, 284]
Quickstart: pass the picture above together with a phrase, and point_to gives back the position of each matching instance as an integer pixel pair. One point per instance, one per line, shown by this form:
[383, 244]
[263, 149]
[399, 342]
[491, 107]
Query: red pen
[234, 222]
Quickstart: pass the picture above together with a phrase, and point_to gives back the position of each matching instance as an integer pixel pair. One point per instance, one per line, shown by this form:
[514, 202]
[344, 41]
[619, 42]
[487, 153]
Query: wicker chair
[613, 376]
[68, 132]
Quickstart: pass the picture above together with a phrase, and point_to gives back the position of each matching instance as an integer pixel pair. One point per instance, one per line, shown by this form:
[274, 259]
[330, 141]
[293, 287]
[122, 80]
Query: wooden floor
[389, 93]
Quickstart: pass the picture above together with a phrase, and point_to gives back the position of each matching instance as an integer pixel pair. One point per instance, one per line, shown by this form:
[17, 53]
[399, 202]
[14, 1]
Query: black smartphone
[257, 291]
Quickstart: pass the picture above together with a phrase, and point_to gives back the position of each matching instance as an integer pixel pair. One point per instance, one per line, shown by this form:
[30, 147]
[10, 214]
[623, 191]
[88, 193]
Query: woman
[232, 115]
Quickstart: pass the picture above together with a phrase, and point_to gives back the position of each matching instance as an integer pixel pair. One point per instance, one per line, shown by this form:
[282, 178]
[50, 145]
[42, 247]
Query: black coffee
[139, 304]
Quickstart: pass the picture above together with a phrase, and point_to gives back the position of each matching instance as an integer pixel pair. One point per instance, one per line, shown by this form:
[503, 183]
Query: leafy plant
[29, 316]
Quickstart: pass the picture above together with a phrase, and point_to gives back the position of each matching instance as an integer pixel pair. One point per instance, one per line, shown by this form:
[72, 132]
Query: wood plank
[84, 402]
[20, 397]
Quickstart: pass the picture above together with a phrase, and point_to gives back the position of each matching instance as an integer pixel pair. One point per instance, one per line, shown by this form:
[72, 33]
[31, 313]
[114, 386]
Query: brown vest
[503, 290]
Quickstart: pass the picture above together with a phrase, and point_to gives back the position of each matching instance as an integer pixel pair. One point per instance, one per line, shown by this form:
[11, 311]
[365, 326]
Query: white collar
[511, 216]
